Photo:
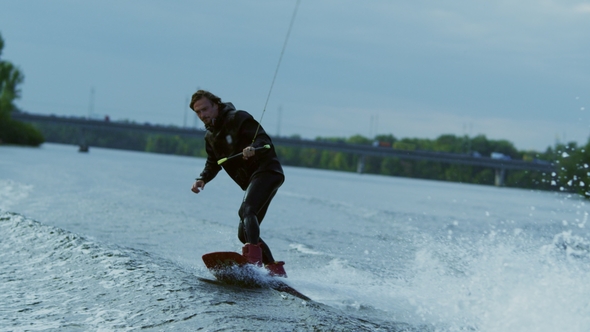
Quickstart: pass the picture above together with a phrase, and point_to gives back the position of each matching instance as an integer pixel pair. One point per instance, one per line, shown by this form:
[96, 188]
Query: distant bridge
[499, 165]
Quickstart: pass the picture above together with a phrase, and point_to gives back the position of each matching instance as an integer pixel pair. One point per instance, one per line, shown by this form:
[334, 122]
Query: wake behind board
[232, 268]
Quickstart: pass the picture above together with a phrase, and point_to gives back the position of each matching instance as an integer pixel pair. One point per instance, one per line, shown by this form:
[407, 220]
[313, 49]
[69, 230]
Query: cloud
[583, 8]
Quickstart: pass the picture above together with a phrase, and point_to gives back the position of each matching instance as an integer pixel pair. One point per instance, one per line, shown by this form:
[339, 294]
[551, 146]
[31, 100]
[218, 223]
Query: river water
[112, 240]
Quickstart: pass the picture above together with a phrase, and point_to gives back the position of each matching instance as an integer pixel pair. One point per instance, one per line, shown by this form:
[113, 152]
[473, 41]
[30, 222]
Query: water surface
[113, 239]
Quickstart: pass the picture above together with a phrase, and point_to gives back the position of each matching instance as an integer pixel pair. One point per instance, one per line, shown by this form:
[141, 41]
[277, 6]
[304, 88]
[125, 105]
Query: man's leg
[259, 194]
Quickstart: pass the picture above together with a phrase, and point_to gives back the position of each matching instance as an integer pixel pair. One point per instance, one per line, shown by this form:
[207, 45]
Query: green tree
[450, 143]
[12, 131]
[359, 139]
[10, 79]
[386, 138]
[574, 168]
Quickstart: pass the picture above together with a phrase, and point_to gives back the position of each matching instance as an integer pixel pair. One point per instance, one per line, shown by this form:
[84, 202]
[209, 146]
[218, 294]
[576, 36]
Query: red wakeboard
[232, 268]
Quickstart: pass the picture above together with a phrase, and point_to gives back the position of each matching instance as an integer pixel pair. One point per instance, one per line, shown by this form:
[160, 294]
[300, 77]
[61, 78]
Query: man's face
[206, 110]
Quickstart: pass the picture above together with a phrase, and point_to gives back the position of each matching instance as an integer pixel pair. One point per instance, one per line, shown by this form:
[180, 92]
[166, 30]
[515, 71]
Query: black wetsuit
[260, 176]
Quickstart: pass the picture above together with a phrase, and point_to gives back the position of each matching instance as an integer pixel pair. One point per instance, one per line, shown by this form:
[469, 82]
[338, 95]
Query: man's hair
[203, 93]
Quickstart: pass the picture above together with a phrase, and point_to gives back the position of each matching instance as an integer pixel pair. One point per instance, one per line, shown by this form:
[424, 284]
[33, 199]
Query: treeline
[11, 131]
[475, 146]
[572, 172]
[325, 159]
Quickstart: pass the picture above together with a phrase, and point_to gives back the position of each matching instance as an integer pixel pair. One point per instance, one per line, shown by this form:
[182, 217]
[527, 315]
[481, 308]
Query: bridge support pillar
[500, 177]
[360, 166]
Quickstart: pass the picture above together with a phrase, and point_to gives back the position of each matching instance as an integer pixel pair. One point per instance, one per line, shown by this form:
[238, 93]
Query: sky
[513, 70]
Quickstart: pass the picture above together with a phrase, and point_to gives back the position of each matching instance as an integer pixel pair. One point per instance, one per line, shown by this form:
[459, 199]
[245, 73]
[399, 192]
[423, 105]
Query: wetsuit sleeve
[211, 167]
